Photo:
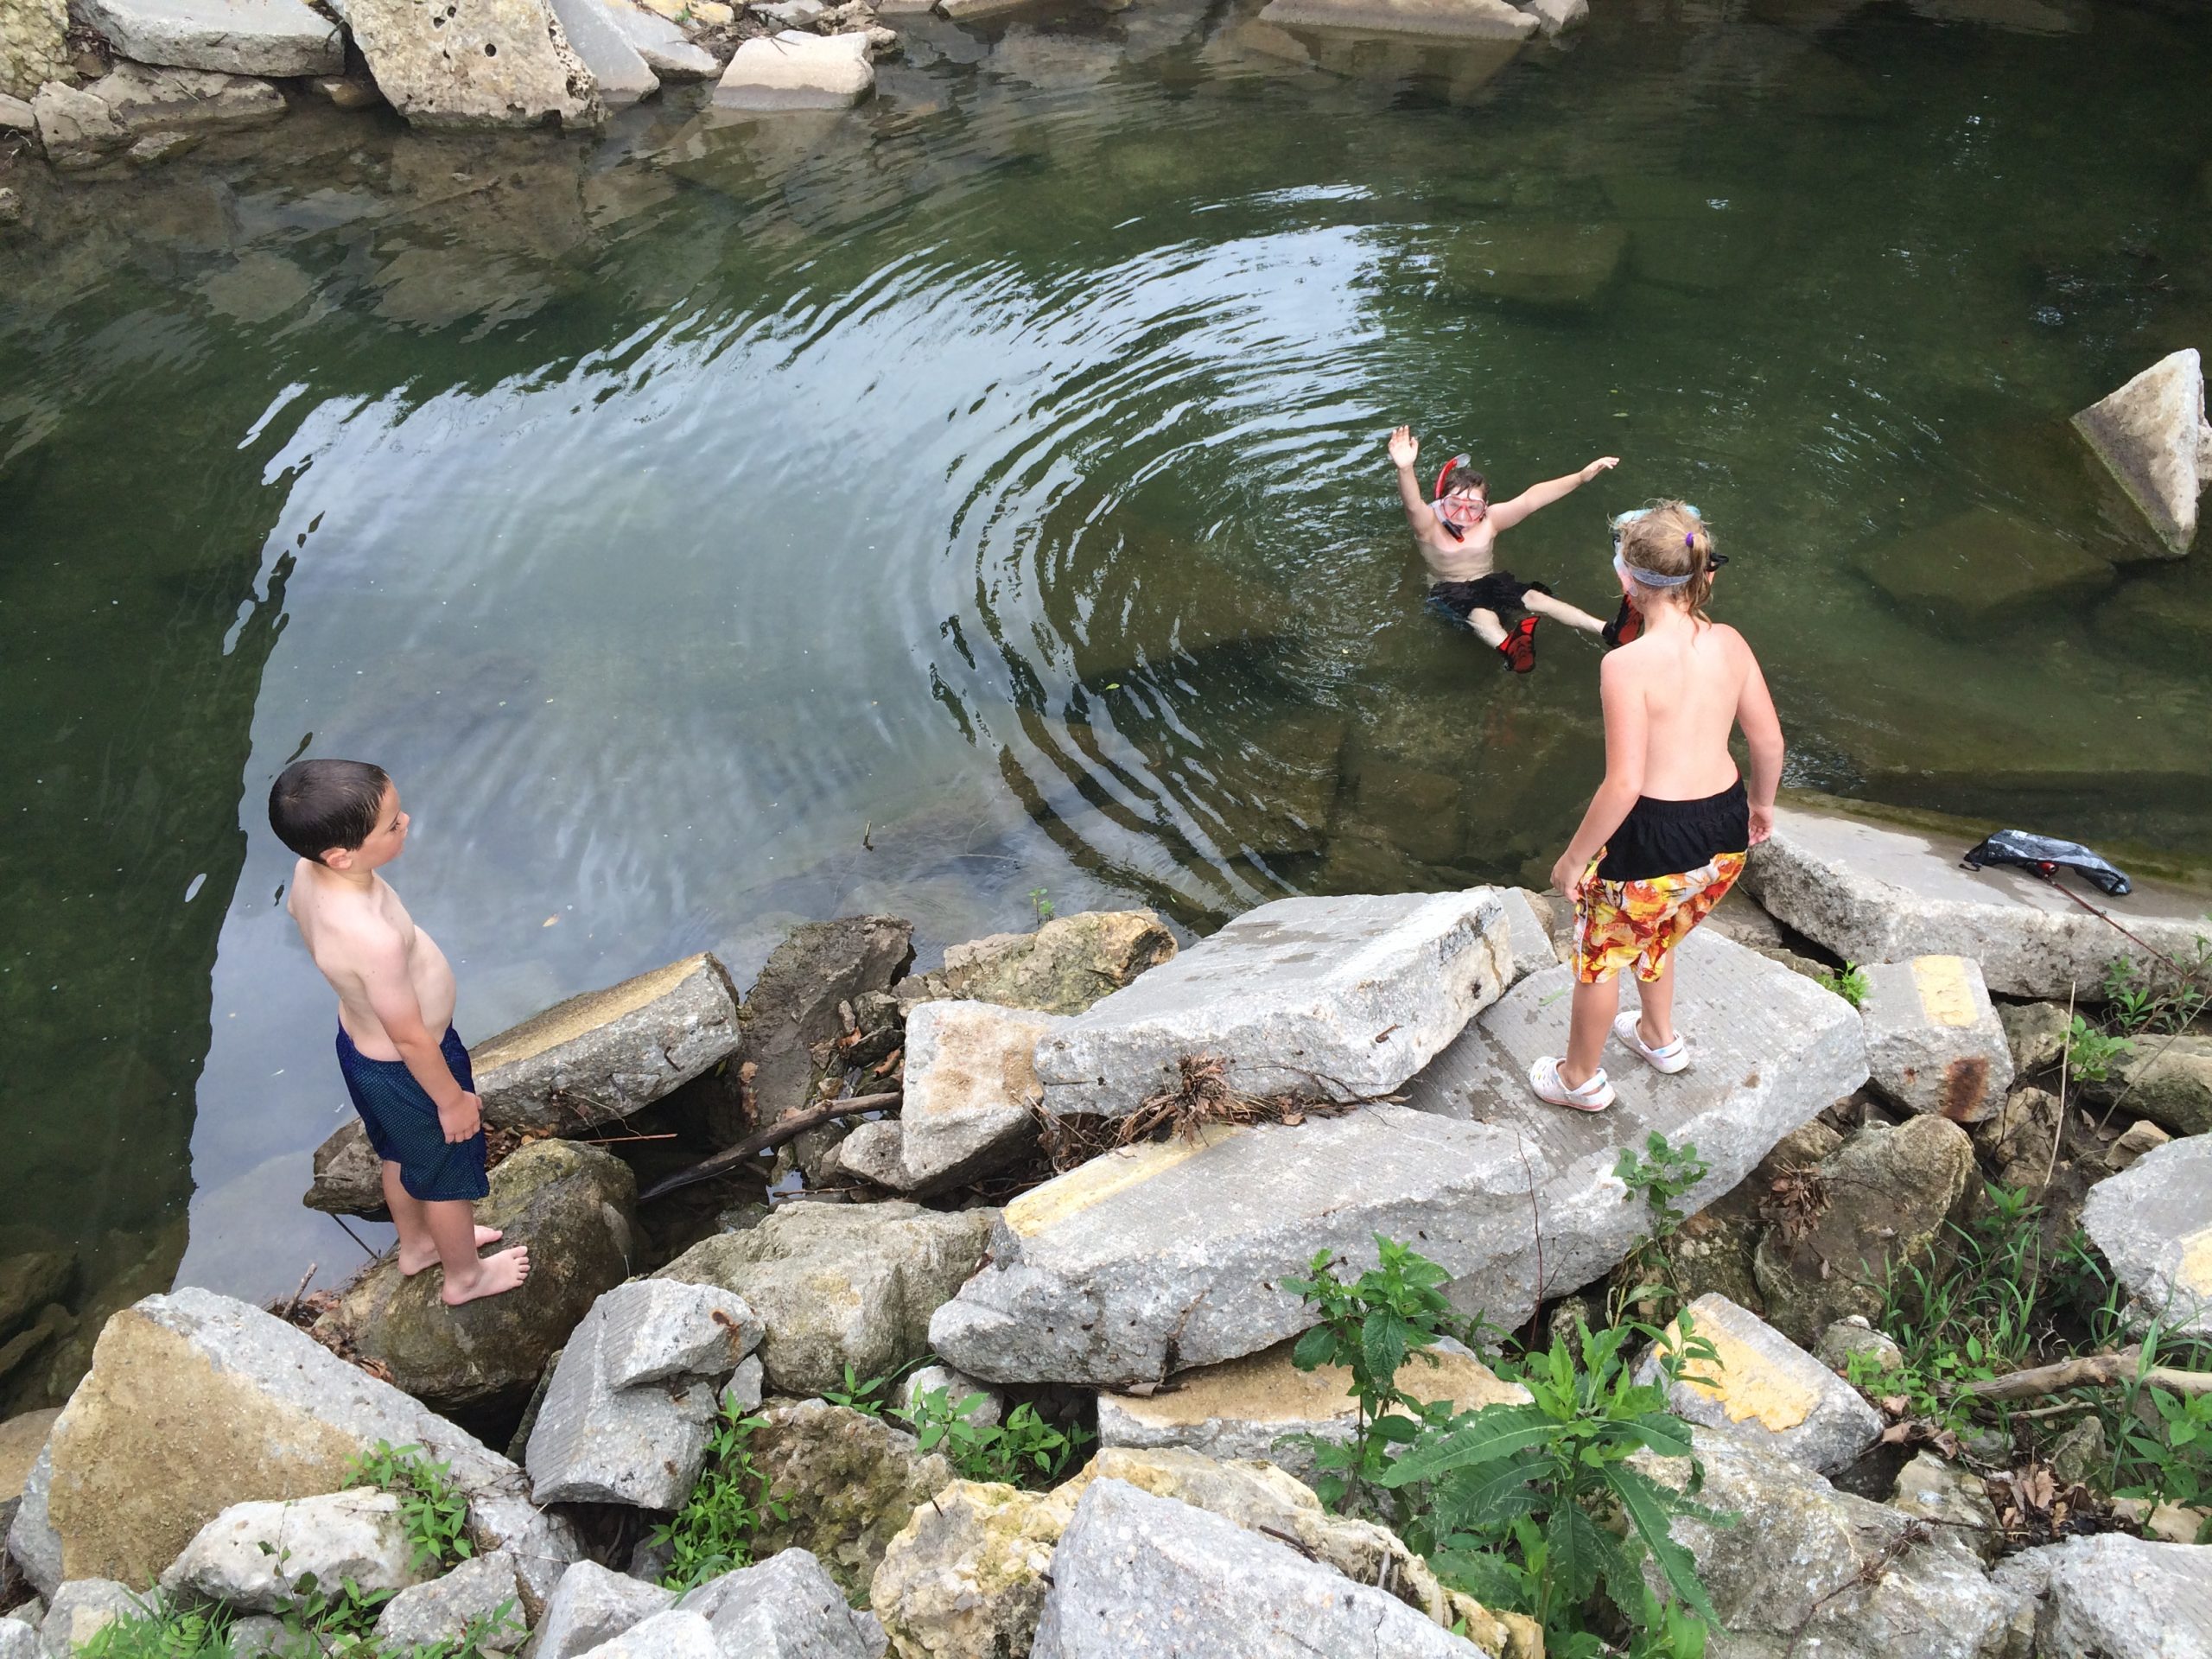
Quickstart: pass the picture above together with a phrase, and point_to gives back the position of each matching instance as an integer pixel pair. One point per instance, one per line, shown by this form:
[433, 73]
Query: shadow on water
[715, 524]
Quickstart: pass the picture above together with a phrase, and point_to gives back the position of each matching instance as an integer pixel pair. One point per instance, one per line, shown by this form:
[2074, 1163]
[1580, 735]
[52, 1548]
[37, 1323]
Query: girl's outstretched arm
[1507, 514]
[1627, 736]
[1763, 736]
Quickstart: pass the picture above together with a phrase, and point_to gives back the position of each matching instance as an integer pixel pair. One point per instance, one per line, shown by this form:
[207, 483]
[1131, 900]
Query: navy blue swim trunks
[402, 1122]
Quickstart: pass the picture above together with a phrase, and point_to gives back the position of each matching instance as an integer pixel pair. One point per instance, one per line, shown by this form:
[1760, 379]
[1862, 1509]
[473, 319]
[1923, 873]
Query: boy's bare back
[382, 966]
[1680, 691]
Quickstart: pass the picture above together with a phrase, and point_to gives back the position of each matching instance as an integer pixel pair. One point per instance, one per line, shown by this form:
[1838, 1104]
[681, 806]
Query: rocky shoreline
[1083, 1231]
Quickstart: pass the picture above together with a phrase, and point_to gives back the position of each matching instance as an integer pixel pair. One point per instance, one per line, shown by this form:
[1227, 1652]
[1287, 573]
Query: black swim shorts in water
[1670, 837]
[402, 1122]
[1500, 591]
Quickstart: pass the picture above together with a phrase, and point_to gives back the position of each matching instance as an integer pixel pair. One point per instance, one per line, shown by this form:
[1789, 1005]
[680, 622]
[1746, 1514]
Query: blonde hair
[1668, 539]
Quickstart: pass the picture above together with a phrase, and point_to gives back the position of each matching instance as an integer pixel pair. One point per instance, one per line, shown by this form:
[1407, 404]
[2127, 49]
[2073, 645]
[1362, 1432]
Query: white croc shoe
[1594, 1095]
[1671, 1058]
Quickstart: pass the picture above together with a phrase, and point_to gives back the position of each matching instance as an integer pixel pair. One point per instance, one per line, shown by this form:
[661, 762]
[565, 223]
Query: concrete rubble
[784, 1607]
[479, 1598]
[1335, 998]
[797, 69]
[1933, 1041]
[2153, 1224]
[665, 47]
[593, 1605]
[252, 1554]
[2117, 1597]
[633, 1402]
[1169, 1255]
[1874, 892]
[232, 37]
[623, 76]
[971, 1090]
[2153, 438]
[1767, 1390]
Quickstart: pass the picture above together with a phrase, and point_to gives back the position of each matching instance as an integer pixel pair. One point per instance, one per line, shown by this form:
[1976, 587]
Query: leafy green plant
[1965, 1318]
[865, 1397]
[1371, 1327]
[1023, 1450]
[432, 1508]
[2167, 999]
[2174, 1465]
[712, 1533]
[2090, 1054]
[1664, 1175]
[160, 1629]
[1515, 1498]
[1042, 904]
[334, 1617]
[1850, 984]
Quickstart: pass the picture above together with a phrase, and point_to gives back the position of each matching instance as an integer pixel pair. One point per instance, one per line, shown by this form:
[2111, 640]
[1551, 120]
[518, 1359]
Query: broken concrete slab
[2118, 1597]
[796, 70]
[34, 46]
[658, 1328]
[2152, 436]
[232, 37]
[590, 1604]
[970, 1087]
[1933, 1041]
[1463, 20]
[676, 1634]
[1874, 890]
[598, 1057]
[1763, 1387]
[1169, 1255]
[478, 1596]
[1066, 966]
[1139, 1577]
[2153, 1223]
[1340, 998]
[252, 1554]
[1257, 1406]
[662, 44]
[623, 75]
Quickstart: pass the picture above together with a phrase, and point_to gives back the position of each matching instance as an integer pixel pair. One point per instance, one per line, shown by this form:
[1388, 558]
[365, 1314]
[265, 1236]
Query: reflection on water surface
[997, 471]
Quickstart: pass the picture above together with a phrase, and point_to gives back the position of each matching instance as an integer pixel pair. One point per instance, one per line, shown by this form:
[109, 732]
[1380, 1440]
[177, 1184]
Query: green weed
[712, 1533]
[432, 1506]
[1023, 1450]
[2090, 1054]
[161, 1630]
[1662, 1175]
[1850, 984]
[865, 1397]
[1042, 904]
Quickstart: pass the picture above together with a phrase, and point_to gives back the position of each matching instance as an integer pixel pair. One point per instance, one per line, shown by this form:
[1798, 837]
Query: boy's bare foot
[495, 1275]
[413, 1262]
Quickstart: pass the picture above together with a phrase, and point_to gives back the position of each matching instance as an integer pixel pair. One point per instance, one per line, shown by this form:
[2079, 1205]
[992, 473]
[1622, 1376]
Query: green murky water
[998, 470]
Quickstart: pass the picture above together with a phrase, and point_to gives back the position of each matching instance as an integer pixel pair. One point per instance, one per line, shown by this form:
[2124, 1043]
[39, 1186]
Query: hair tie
[1689, 540]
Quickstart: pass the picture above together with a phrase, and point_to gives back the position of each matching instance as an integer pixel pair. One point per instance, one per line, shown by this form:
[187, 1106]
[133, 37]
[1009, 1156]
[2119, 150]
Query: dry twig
[2089, 1371]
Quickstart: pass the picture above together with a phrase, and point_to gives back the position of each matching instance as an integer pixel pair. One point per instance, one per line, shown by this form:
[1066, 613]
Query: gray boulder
[1945, 1495]
[1876, 892]
[633, 1402]
[786, 1607]
[838, 1285]
[2151, 437]
[1766, 1389]
[2153, 1224]
[494, 63]
[1334, 997]
[1139, 1577]
[1170, 1254]
[1934, 1042]
[134, 104]
[792, 1008]
[477, 1599]
[970, 1085]
[592, 1604]
[2117, 1598]
[19, 1636]
[1527, 938]
[848, 1482]
[79, 1609]
[2036, 1033]
[599, 1056]
[250, 1555]
[676, 1634]
[232, 37]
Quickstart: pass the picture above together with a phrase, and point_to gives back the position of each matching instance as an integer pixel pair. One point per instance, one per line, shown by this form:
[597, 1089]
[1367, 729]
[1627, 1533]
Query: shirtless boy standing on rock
[414, 1092]
[1458, 534]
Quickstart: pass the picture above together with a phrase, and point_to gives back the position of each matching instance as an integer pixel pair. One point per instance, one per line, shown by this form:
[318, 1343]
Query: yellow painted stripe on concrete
[2194, 1273]
[1749, 1386]
[1102, 1177]
[1945, 995]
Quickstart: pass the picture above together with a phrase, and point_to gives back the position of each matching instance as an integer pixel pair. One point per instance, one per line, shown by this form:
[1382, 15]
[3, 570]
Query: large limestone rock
[1934, 1042]
[348, 1176]
[597, 1058]
[1139, 1577]
[232, 37]
[1890, 1192]
[970, 1088]
[623, 75]
[840, 1285]
[2118, 1597]
[195, 1402]
[793, 1008]
[1798, 1569]
[626, 1417]
[2166, 1079]
[592, 1604]
[1876, 892]
[797, 69]
[786, 1607]
[676, 1634]
[571, 1204]
[491, 63]
[1554, 266]
[2152, 436]
[2153, 1223]
[848, 1482]
[1063, 967]
[1334, 997]
[1764, 1388]
[1253, 1408]
[1169, 1255]
[480, 1592]
[2017, 1141]
[34, 45]
[252, 1554]
[1464, 20]
[134, 105]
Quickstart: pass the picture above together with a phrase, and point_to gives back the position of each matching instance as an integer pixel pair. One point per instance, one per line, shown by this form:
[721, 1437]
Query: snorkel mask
[1653, 578]
[1460, 513]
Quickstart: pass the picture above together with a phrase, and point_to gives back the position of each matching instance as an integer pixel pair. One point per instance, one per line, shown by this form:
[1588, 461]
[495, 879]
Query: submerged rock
[252, 1556]
[1465, 20]
[1934, 1043]
[493, 63]
[1765, 1387]
[847, 1483]
[133, 103]
[2153, 1224]
[796, 70]
[233, 37]
[1981, 568]
[571, 1205]
[838, 1285]
[1066, 966]
[1554, 266]
[2152, 436]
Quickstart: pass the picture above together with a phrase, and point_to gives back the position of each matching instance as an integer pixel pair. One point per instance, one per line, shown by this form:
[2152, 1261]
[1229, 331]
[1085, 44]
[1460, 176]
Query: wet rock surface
[134, 104]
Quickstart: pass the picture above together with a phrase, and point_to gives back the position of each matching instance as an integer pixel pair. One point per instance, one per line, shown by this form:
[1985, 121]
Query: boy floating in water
[1665, 835]
[414, 1092]
[1458, 534]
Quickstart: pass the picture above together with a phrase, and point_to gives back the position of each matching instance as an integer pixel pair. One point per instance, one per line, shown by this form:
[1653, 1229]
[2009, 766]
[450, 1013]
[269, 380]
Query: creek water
[713, 525]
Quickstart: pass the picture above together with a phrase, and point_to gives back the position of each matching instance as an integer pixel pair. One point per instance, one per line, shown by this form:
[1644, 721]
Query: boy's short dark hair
[315, 805]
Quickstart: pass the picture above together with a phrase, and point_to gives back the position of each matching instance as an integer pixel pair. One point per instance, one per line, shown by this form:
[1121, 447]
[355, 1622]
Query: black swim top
[1674, 837]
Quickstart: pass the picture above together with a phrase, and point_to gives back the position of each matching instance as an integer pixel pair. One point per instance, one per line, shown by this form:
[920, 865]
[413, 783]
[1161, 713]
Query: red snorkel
[1450, 468]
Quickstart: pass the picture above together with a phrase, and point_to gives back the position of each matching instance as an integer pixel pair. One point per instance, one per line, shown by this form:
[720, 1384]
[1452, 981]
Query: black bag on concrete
[2046, 855]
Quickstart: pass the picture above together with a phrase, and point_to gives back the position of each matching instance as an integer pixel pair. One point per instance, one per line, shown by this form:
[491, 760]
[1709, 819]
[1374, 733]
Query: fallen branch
[782, 1130]
[2089, 1371]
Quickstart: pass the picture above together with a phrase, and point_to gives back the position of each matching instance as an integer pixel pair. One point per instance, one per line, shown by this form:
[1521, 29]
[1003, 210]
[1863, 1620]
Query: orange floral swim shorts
[1617, 923]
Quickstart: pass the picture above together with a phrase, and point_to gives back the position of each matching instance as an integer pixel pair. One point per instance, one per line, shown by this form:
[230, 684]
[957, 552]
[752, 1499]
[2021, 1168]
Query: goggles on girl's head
[1653, 578]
